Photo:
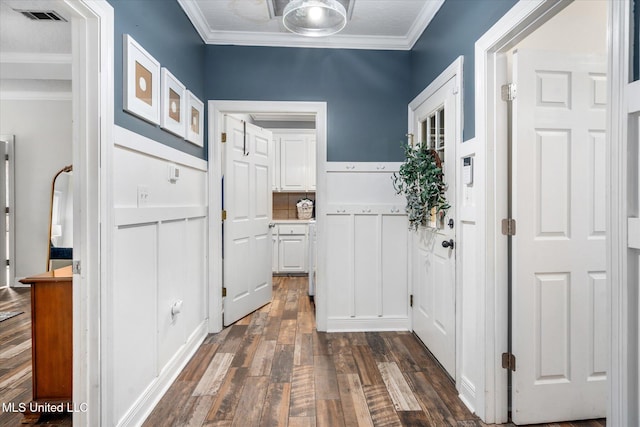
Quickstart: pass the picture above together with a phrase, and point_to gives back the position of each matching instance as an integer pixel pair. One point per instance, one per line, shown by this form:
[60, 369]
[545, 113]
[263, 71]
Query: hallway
[272, 368]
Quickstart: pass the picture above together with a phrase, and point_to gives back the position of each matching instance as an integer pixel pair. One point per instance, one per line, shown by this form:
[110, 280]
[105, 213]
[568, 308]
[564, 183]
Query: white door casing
[3, 205]
[559, 320]
[434, 276]
[248, 203]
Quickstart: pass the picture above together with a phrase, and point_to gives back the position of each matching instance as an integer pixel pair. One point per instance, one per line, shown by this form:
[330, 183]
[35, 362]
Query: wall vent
[42, 15]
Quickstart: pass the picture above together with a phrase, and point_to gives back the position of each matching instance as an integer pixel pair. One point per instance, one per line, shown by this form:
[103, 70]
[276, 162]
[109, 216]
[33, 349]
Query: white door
[247, 235]
[559, 296]
[434, 288]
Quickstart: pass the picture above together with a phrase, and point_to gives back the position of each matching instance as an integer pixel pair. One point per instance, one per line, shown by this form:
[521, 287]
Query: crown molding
[41, 66]
[338, 41]
[34, 96]
[423, 20]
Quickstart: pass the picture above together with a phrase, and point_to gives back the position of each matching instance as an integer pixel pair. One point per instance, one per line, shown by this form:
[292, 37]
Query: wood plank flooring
[272, 368]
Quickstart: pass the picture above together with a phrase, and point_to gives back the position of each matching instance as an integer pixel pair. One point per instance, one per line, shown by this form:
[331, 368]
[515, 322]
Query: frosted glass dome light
[314, 18]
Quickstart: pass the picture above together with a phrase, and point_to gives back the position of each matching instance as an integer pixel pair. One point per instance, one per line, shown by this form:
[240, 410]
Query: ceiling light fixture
[314, 18]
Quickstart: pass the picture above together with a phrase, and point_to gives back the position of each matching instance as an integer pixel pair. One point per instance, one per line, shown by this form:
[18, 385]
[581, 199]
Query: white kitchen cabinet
[295, 163]
[290, 248]
[274, 250]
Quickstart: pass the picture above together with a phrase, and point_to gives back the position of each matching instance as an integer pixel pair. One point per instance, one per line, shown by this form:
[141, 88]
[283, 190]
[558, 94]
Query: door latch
[448, 244]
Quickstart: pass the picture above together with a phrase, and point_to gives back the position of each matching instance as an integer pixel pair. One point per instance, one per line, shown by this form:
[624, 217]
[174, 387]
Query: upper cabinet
[294, 160]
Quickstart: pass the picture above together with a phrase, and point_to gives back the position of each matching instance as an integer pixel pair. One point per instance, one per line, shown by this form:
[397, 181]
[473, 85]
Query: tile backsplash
[284, 204]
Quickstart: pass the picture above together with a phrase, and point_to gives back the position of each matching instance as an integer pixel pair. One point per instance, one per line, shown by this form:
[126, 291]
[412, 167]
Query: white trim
[35, 96]
[382, 167]
[363, 324]
[216, 111]
[622, 408]
[36, 58]
[47, 66]
[338, 41]
[125, 138]
[92, 87]
[522, 19]
[132, 216]
[11, 172]
[147, 401]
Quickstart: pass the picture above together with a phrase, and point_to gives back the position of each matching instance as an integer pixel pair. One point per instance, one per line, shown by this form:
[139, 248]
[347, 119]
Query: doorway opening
[563, 302]
[222, 166]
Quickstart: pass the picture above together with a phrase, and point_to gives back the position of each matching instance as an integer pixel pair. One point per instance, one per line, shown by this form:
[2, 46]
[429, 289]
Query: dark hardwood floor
[273, 368]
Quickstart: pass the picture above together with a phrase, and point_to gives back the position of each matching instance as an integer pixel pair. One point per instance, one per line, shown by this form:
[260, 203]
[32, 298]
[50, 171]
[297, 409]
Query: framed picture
[141, 81]
[173, 105]
[195, 120]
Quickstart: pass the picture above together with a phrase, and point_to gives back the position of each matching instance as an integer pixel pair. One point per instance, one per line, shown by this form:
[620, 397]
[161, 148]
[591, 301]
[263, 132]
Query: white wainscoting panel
[470, 255]
[366, 236]
[159, 259]
[133, 332]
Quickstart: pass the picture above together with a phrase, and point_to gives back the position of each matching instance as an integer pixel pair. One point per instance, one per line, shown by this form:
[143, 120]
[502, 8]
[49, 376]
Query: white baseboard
[141, 409]
[467, 393]
[367, 324]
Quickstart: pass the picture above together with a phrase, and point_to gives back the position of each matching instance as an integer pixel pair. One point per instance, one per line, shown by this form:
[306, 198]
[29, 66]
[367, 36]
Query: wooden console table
[51, 339]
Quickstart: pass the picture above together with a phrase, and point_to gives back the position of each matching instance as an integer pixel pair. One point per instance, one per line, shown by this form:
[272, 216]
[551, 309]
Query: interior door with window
[559, 295]
[247, 233]
[434, 284]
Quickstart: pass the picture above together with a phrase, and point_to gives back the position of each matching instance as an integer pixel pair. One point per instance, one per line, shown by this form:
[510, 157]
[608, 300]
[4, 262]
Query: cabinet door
[293, 162]
[311, 165]
[293, 253]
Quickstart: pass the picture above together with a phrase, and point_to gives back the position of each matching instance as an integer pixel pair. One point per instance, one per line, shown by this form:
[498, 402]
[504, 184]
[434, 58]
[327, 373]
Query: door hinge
[223, 138]
[508, 92]
[509, 227]
[224, 214]
[76, 267]
[6, 157]
[224, 291]
[8, 263]
[6, 210]
[509, 361]
[410, 300]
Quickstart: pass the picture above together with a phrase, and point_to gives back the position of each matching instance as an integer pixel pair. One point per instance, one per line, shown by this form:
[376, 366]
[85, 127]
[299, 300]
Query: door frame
[92, 112]
[216, 111]
[520, 21]
[624, 370]
[453, 71]
[10, 141]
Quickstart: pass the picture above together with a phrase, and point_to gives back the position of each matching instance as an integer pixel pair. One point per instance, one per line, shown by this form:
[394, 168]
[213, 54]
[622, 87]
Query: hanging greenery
[421, 180]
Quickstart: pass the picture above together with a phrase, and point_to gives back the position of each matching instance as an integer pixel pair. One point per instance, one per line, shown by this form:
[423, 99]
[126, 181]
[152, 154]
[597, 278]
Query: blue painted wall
[366, 91]
[453, 32]
[163, 30]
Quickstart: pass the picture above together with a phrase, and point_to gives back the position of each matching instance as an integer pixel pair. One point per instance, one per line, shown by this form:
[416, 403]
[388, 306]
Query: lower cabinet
[290, 248]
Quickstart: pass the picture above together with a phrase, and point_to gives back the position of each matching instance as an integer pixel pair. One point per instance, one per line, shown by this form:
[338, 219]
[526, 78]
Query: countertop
[292, 221]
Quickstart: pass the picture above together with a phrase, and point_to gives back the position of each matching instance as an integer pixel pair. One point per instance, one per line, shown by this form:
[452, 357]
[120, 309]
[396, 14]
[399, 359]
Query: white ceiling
[374, 24]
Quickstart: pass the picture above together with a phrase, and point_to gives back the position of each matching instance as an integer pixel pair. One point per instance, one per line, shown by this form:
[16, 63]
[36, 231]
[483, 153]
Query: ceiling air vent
[42, 15]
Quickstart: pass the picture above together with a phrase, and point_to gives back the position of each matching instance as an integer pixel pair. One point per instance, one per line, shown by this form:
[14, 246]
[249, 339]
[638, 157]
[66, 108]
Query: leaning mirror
[61, 220]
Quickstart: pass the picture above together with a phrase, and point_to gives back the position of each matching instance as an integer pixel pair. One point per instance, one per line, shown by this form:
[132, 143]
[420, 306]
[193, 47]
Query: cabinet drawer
[284, 229]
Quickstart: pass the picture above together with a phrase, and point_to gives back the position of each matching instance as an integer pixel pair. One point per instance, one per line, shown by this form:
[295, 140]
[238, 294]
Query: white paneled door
[247, 236]
[559, 296]
[434, 274]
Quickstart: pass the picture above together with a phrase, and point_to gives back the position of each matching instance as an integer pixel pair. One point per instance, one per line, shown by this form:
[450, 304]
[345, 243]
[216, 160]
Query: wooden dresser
[52, 335]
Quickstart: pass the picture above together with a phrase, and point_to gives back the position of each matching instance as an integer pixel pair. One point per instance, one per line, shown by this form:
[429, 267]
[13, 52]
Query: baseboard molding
[141, 409]
[467, 393]
[367, 324]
